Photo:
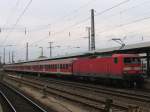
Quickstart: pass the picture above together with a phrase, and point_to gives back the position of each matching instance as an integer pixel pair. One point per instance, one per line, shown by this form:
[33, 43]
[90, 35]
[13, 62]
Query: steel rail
[129, 95]
[53, 90]
[24, 97]
[139, 97]
[8, 102]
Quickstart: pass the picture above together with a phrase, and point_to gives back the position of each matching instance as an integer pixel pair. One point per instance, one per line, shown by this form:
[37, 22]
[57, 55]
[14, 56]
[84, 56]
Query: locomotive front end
[132, 69]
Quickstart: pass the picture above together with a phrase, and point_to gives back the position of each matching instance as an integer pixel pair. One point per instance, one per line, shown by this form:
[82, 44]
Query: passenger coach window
[55, 66]
[60, 66]
[116, 60]
[66, 66]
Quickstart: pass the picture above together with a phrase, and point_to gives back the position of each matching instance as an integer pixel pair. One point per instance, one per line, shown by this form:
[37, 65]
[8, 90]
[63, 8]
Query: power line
[75, 11]
[77, 23]
[72, 12]
[66, 16]
[12, 9]
[86, 19]
[41, 27]
[18, 19]
[129, 23]
[115, 6]
[122, 11]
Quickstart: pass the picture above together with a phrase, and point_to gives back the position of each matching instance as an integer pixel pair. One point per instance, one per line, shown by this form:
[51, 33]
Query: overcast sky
[64, 22]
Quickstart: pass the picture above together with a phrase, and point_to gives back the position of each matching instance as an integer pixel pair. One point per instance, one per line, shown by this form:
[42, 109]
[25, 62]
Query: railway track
[125, 98]
[79, 97]
[16, 101]
[5, 103]
[130, 94]
[135, 95]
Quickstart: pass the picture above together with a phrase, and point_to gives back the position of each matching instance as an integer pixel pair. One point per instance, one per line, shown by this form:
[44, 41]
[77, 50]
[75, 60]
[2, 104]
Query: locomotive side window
[115, 60]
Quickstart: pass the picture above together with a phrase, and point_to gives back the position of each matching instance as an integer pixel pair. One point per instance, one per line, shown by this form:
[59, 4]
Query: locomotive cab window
[132, 60]
[115, 60]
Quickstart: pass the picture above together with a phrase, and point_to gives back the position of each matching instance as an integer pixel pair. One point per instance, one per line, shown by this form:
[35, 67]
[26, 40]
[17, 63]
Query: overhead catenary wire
[136, 20]
[74, 11]
[123, 11]
[125, 24]
[84, 20]
[46, 26]
[18, 19]
[41, 27]
[10, 16]
[115, 6]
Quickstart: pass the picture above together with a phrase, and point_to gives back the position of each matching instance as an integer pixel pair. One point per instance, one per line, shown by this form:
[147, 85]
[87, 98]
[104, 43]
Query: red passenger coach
[125, 67]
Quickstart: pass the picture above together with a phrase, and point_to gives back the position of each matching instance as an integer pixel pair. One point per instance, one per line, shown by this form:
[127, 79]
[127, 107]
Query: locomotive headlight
[125, 72]
[137, 68]
[127, 68]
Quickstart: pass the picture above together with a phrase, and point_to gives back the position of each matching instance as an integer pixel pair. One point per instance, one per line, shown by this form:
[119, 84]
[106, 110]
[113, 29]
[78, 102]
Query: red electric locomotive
[124, 67]
[118, 67]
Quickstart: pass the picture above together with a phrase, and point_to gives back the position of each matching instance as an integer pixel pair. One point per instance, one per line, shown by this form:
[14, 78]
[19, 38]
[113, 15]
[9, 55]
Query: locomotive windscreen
[132, 60]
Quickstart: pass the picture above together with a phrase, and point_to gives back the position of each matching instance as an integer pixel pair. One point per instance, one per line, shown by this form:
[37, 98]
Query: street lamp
[119, 41]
